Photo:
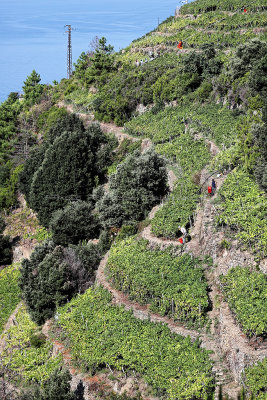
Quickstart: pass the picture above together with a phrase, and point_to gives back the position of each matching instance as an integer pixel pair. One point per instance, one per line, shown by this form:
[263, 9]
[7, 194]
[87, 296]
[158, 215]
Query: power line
[69, 53]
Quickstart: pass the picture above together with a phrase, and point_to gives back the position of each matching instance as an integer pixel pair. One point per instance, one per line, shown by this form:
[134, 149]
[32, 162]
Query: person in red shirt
[245, 10]
[180, 44]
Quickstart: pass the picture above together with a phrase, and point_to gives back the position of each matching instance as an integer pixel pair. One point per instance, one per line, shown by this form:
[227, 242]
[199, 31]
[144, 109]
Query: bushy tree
[9, 111]
[74, 223]
[203, 63]
[66, 124]
[247, 55]
[31, 165]
[32, 88]
[139, 184]
[72, 166]
[90, 256]
[5, 245]
[57, 387]
[102, 63]
[51, 276]
[258, 77]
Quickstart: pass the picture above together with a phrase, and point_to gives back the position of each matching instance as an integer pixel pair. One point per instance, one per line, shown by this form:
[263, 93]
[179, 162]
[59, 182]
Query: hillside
[129, 279]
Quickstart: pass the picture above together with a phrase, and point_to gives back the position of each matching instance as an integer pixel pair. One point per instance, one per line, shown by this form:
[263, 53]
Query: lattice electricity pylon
[69, 53]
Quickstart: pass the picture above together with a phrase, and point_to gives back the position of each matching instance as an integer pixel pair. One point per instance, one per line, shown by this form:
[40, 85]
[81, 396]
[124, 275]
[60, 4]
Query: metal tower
[69, 54]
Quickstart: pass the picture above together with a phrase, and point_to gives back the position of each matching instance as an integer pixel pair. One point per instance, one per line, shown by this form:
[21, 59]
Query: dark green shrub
[105, 242]
[126, 231]
[74, 223]
[32, 89]
[89, 256]
[37, 340]
[57, 387]
[5, 245]
[69, 170]
[31, 165]
[139, 184]
[52, 276]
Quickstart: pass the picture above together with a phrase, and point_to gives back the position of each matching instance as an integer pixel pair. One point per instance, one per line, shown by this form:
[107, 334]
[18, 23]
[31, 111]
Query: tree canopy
[32, 88]
[139, 183]
[72, 166]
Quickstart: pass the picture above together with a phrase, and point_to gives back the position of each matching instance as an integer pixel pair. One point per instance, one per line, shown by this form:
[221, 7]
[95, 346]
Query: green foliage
[114, 396]
[57, 387]
[178, 209]
[8, 193]
[126, 231]
[242, 206]
[173, 286]
[33, 363]
[66, 124]
[259, 136]
[125, 148]
[9, 111]
[105, 242]
[130, 86]
[137, 186]
[211, 120]
[32, 89]
[81, 65]
[74, 223]
[9, 292]
[69, 170]
[52, 276]
[5, 250]
[31, 165]
[246, 294]
[90, 255]
[255, 379]
[257, 79]
[173, 85]
[246, 57]
[201, 6]
[49, 118]
[37, 340]
[102, 334]
[5, 245]
[100, 64]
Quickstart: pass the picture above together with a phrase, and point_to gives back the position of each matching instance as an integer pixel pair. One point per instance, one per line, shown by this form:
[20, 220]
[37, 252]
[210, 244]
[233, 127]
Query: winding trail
[106, 127]
[232, 351]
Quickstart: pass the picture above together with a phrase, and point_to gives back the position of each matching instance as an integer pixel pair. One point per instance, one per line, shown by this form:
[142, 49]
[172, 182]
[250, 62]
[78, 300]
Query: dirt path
[110, 381]
[226, 339]
[107, 127]
[231, 349]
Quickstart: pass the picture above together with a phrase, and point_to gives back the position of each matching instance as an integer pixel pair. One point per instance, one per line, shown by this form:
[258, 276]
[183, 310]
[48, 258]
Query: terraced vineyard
[187, 318]
[243, 208]
[173, 286]
[227, 5]
[27, 352]
[246, 292]
[212, 121]
[102, 334]
[178, 209]
[222, 23]
[9, 292]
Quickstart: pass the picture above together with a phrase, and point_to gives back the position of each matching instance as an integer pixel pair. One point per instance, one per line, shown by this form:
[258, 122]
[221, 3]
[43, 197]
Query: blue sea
[32, 33]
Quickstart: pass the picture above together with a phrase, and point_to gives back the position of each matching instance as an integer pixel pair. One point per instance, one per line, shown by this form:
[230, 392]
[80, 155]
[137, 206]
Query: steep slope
[201, 108]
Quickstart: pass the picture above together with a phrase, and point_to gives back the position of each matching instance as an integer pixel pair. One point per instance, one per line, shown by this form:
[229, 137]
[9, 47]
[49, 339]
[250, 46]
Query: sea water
[32, 33]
